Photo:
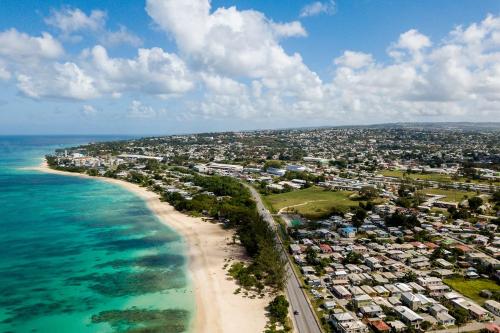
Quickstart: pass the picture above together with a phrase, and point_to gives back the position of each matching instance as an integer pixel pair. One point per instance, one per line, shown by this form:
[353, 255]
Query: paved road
[305, 321]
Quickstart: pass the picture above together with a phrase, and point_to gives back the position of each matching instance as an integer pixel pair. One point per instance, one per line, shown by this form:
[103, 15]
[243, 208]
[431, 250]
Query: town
[388, 229]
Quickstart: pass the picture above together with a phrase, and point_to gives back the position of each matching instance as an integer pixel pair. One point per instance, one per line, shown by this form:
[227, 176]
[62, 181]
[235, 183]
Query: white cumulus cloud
[317, 8]
[18, 45]
[234, 43]
[153, 71]
[230, 64]
[72, 21]
[354, 59]
[138, 110]
[88, 110]
[61, 80]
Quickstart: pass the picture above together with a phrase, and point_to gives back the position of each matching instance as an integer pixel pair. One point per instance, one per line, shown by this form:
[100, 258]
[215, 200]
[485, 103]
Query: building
[397, 326]
[226, 167]
[341, 292]
[362, 300]
[445, 319]
[443, 263]
[296, 168]
[346, 323]
[276, 171]
[381, 291]
[429, 281]
[475, 311]
[348, 232]
[372, 311]
[411, 300]
[493, 307]
[325, 248]
[408, 316]
[438, 290]
[380, 327]
[295, 249]
[201, 168]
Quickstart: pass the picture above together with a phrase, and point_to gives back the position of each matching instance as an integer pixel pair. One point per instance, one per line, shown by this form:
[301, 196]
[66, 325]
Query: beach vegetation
[278, 308]
[232, 203]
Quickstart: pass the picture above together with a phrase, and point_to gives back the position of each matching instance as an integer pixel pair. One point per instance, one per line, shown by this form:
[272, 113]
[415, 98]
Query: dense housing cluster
[389, 228]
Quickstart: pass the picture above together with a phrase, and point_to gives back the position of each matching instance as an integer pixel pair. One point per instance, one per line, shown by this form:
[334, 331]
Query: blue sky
[170, 66]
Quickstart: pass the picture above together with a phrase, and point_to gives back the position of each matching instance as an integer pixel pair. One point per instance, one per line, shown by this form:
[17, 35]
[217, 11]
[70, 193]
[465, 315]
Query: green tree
[461, 316]
[273, 164]
[311, 256]
[475, 203]
[359, 217]
[410, 276]
[278, 308]
[425, 325]
[496, 196]
[353, 258]
[368, 192]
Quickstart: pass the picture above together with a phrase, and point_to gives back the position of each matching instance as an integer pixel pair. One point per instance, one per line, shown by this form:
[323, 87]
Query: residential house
[441, 314]
[397, 326]
[361, 300]
[295, 249]
[411, 300]
[492, 306]
[382, 291]
[408, 316]
[348, 232]
[346, 323]
[380, 327]
[372, 311]
[474, 310]
[341, 292]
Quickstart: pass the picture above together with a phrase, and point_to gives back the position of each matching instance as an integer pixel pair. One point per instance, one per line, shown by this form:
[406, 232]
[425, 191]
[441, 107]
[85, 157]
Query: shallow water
[81, 255]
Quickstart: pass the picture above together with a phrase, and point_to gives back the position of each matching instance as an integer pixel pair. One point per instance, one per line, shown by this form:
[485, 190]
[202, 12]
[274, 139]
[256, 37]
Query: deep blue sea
[82, 255]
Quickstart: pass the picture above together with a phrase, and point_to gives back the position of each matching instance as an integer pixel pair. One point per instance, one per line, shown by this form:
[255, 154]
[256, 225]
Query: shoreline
[217, 308]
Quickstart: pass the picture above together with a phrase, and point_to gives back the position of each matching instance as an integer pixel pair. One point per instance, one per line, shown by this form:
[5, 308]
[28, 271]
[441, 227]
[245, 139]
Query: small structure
[493, 307]
[408, 316]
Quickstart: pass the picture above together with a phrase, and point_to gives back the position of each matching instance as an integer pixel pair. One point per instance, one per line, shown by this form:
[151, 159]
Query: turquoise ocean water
[80, 255]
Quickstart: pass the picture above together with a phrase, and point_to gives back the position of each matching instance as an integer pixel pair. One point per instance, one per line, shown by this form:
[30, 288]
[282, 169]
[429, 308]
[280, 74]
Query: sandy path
[218, 309]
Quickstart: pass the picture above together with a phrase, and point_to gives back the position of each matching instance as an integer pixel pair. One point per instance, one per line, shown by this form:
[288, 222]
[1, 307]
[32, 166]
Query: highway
[305, 321]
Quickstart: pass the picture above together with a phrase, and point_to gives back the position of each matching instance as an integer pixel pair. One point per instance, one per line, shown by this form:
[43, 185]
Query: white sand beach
[218, 309]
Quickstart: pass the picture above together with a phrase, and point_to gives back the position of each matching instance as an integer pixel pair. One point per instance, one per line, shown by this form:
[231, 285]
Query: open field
[451, 195]
[441, 178]
[424, 176]
[313, 202]
[472, 288]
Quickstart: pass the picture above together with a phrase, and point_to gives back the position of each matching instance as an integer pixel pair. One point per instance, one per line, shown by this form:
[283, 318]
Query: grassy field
[443, 211]
[451, 195]
[472, 288]
[313, 202]
[424, 176]
[442, 178]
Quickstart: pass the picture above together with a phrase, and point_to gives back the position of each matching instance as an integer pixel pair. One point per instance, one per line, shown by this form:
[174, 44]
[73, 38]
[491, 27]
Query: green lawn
[442, 178]
[451, 195]
[472, 288]
[424, 176]
[315, 201]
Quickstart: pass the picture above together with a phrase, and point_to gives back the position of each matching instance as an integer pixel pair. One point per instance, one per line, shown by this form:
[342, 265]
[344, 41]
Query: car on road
[296, 312]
